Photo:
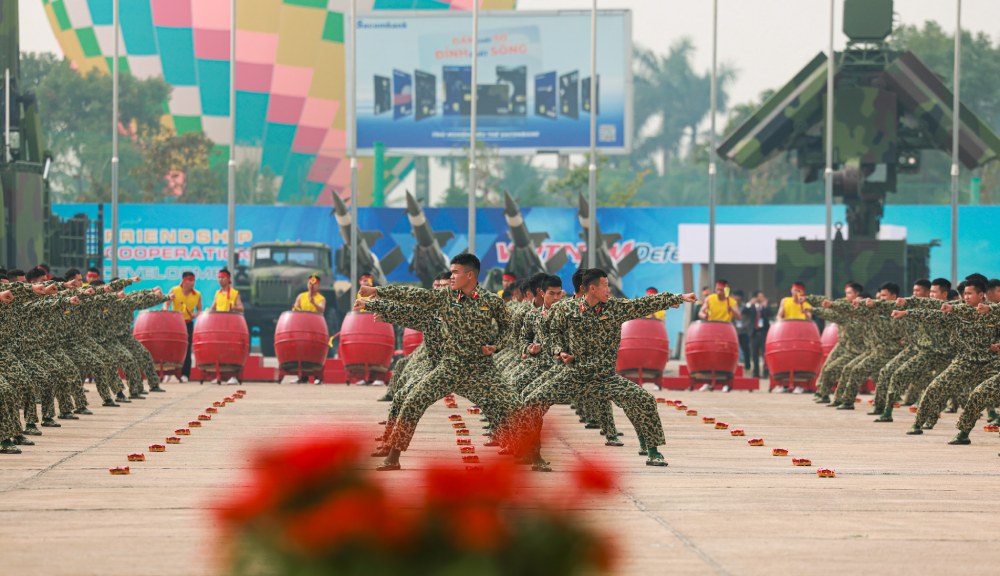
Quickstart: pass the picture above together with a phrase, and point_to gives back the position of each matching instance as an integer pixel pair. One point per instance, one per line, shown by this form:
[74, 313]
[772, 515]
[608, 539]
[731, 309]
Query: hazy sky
[767, 41]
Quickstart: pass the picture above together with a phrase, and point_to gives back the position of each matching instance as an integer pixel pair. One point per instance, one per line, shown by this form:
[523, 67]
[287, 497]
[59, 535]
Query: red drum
[164, 334]
[644, 350]
[829, 339]
[221, 343]
[411, 339]
[712, 350]
[793, 351]
[366, 346]
[301, 343]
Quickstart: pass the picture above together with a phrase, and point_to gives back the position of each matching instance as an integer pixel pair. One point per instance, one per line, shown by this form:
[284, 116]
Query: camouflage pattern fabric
[973, 334]
[468, 323]
[592, 335]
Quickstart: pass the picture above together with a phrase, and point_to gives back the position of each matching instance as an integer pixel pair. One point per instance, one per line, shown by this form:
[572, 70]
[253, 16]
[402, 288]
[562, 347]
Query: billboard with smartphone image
[532, 87]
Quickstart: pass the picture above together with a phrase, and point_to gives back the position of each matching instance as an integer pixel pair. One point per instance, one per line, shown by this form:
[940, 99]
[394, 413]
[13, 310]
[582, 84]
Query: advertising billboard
[532, 86]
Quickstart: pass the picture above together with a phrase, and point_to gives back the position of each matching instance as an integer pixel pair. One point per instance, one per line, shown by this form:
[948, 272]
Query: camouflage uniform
[883, 339]
[10, 421]
[849, 343]
[468, 324]
[396, 382]
[534, 330]
[122, 327]
[44, 357]
[591, 408]
[592, 335]
[985, 396]
[509, 353]
[973, 334]
[12, 328]
[930, 352]
[86, 352]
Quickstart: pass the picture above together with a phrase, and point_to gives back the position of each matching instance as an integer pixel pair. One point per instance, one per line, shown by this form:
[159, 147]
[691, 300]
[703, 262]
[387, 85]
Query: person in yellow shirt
[659, 314]
[720, 306]
[227, 298]
[795, 307]
[311, 300]
[187, 301]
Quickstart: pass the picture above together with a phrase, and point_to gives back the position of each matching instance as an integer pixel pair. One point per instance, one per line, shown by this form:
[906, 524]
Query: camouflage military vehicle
[870, 262]
[276, 274]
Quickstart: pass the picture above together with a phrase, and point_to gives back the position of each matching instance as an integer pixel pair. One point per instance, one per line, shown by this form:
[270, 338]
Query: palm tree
[671, 100]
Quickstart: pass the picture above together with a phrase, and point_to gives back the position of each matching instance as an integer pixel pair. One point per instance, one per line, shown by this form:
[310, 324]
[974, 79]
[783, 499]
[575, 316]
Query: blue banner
[533, 81]
[159, 242]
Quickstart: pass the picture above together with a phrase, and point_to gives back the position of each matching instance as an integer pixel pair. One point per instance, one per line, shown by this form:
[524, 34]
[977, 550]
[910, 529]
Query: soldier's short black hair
[523, 286]
[466, 260]
[976, 283]
[551, 281]
[865, 295]
[443, 276]
[592, 276]
[35, 274]
[977, 276]
[45, 267]
[93, 270]
[890, 287]
[535, 282]
[855, 286]
[3, 272]
[72, 273]
[993, 283]
[58, 279]
[923, 283]
[97, 283]
[14, 274]
[943, 283]
[577, 279]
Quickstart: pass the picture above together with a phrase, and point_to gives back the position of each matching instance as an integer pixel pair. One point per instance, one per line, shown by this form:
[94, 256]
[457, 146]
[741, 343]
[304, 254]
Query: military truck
[276, 274]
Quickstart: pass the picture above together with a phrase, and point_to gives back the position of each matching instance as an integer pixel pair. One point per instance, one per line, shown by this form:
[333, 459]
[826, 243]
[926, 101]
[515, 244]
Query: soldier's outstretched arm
[640, 307]
[411, 295]
[406, 315]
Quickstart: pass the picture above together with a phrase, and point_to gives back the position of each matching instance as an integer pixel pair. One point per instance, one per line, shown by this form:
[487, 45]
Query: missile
[604, 260]
[367, 261]
[429, 259]
[524, 259]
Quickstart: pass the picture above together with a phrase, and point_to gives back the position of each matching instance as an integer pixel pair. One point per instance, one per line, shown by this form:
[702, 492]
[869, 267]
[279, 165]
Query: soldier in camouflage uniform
[86, 352]
[122, 319]
[509, 355]
[12, 326]
[534, 341]
[986, 395]
[884, 341]
[10, 401]
[592, 409]
[849, 341]
[587, 341]
[58, 374]
[974, 362]
[400, 371]
[472, 322]
[931, 349]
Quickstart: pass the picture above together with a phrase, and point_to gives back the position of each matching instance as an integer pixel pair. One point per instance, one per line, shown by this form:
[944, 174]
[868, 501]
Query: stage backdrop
[160, 241]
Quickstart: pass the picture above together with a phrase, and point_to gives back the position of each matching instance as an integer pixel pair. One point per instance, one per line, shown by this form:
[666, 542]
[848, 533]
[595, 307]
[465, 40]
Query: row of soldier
[516, 358]
[938, 349]
[57, 332]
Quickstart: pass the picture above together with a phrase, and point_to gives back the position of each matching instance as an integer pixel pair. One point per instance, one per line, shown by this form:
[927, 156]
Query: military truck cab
[277, 273]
